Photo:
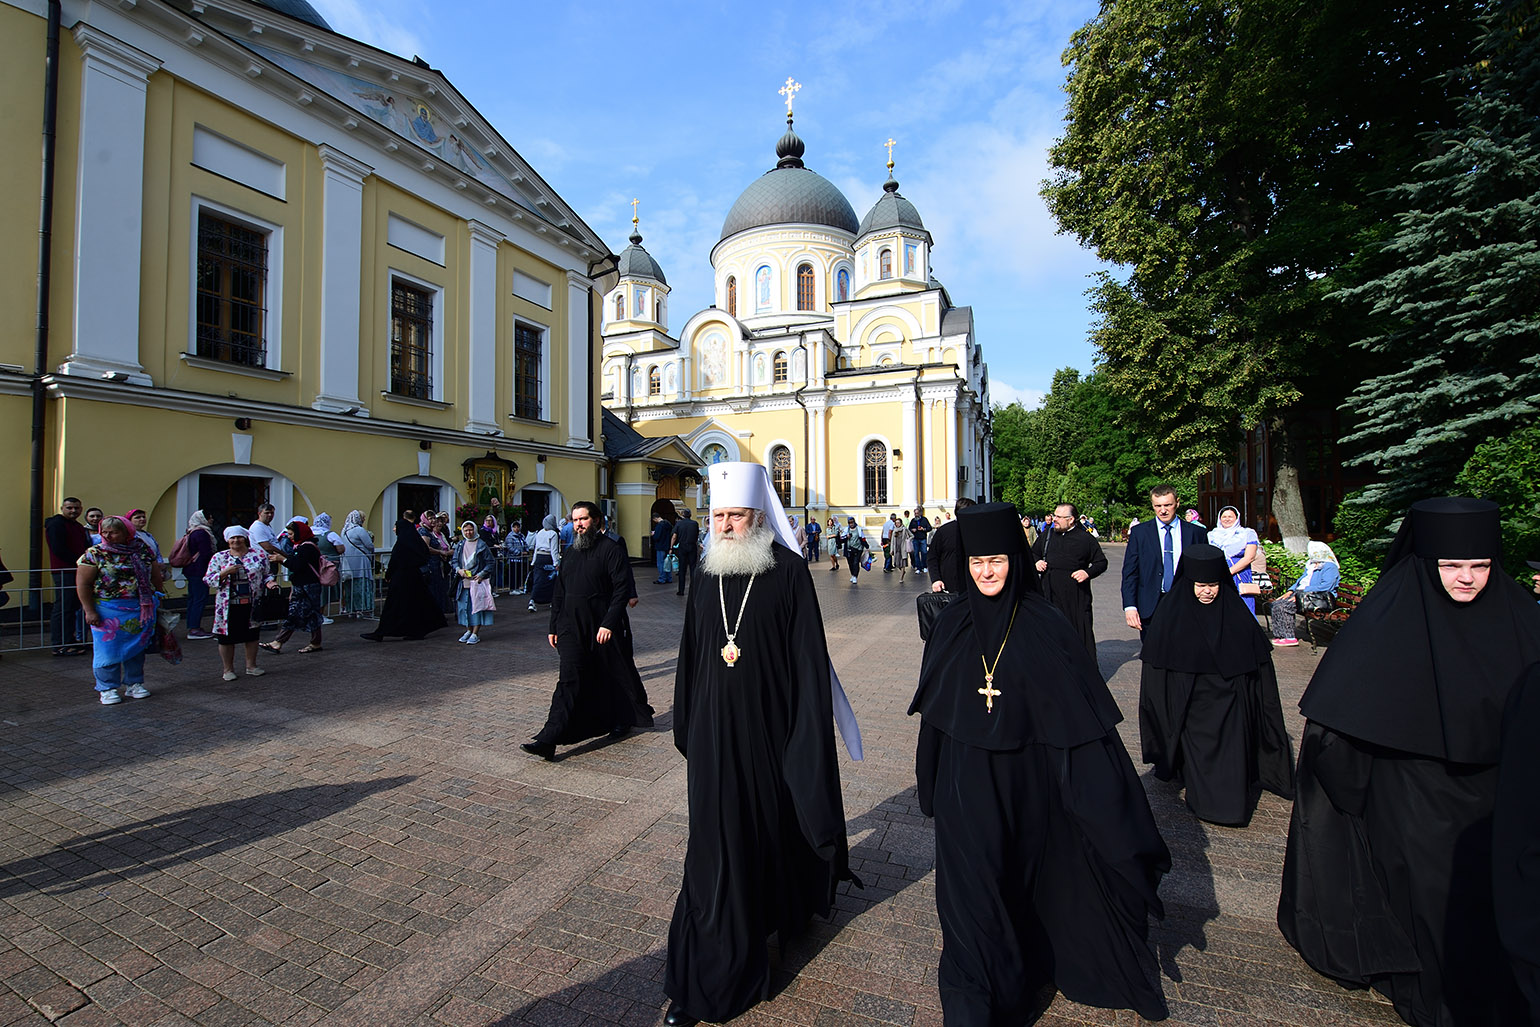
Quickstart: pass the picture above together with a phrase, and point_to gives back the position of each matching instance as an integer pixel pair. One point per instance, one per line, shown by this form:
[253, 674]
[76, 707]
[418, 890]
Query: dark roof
[790, 194]
[957, 321]
[635, 262]
[892, 211]
[621, 442]
[299, 10]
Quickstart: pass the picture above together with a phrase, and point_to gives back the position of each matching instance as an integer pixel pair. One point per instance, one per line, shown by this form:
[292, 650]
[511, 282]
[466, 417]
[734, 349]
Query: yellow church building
[286, 266]
[831, 356]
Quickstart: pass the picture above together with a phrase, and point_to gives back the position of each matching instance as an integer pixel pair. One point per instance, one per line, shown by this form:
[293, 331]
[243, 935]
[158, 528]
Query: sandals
[309, 648]
[272, 647]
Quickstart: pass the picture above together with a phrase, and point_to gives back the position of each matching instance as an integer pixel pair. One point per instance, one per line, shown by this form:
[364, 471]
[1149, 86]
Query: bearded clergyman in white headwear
[755, 708]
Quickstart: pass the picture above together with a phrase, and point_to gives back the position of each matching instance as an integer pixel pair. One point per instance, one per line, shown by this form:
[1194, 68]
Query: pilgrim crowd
[1413, 856]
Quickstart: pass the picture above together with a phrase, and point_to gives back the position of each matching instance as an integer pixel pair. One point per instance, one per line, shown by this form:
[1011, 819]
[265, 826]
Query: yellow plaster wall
[22, 43]
[15, 472]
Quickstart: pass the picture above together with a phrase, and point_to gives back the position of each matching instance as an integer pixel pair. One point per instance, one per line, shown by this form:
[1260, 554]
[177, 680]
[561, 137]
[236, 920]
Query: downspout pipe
[807, 452]
[44, 292]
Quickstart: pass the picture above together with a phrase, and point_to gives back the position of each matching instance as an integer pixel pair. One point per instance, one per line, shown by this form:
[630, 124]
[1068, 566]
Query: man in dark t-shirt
[919, 530]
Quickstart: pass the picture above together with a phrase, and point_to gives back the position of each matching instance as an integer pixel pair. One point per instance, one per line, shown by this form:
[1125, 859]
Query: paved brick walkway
[355, 838]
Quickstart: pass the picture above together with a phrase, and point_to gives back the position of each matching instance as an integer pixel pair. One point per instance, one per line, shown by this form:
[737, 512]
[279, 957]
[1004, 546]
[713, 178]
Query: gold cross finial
[890, 144]
[789, 90]
[634, 219]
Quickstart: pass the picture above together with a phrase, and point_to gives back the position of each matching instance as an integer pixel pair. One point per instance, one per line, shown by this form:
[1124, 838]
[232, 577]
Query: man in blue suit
[1154, 547]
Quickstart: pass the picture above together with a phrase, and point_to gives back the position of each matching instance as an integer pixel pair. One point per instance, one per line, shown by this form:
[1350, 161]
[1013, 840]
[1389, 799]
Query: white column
[818, 469]
[579, 431]
[109, 208]
[911, 454]
[481, 361]
[342, 233]
[949, 405]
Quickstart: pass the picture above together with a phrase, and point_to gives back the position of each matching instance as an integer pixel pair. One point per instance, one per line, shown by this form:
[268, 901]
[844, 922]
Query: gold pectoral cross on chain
[989, 691]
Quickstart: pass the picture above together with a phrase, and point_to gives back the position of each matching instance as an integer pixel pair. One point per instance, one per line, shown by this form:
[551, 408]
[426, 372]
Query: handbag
[481, 596]
[929, 606]
[272, 604]
[1316, 602]
[182, 554]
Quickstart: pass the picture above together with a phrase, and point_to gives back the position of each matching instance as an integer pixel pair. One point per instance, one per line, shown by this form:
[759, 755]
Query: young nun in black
[1209, 713]
[1387, 880]
[1047, 856]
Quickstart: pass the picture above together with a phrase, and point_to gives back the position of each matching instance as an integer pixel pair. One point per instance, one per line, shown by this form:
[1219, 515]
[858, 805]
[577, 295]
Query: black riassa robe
[410, 610]
[598, 690]
[1047, 855]
[1516, 838]
[1388, 873]
[1068, 552]
[767, 823]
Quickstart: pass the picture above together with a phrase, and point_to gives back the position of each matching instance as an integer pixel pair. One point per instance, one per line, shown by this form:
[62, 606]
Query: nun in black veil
[1047, 856]
[1387, 880]
[410, 610]
[1209, 713]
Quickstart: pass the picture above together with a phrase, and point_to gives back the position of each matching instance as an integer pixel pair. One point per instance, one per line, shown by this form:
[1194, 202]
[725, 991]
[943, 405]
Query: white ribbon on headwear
[745, 485]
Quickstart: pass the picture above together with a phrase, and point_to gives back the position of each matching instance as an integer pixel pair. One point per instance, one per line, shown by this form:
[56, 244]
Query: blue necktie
[1169, 560]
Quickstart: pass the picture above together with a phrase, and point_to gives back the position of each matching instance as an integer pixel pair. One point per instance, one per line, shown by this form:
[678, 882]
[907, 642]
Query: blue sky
[677, 104]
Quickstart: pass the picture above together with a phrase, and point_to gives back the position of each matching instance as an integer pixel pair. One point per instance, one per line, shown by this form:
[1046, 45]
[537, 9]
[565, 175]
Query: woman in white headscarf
[1240, 545]
[545, 554]
[240, 573]
[1321, 575]
[357, 567]
[200, 542]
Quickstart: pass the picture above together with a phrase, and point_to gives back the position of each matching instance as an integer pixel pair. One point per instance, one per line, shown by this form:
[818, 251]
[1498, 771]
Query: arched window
[842, 289]
[654, 383]
[781, 369]
[885, 264]
[876, 473]
[732, 295]
[620, 308]
[804, 287]
[780, 473]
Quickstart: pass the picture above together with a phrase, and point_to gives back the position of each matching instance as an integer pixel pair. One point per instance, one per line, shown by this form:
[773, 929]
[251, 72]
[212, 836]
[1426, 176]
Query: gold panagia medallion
[730, 654]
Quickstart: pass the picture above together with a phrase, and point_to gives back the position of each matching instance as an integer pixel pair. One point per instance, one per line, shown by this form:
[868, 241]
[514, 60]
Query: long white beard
[748, 553]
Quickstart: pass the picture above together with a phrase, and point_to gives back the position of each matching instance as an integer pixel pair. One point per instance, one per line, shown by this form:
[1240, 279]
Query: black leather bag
[929, 606]
[1315, 602]
[272, 604]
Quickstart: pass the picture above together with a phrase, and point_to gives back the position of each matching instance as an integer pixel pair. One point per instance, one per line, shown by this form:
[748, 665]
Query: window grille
[527, 345]
[780, 473]
[232, 288]
[804, 287]
[876, 474]
[411, 341]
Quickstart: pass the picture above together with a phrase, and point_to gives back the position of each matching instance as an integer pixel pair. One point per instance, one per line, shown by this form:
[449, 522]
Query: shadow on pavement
[1188, 890]
[184, 837]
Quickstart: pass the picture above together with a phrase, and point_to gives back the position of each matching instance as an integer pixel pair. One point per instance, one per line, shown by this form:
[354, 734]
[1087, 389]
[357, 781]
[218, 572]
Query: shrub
[1506, 470]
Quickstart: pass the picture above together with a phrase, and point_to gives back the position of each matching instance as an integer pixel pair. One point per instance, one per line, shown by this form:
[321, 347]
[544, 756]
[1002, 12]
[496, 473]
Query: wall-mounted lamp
[425, 445]
[540, 458]
[243, 423]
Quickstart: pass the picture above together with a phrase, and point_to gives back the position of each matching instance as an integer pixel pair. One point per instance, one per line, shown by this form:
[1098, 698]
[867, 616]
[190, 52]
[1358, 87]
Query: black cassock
[1516, 838]
[598, 689]
[1066, 553]
[767, 823]
[410, 610]
[1209, 712]
[1388, 873]
[1047, 855]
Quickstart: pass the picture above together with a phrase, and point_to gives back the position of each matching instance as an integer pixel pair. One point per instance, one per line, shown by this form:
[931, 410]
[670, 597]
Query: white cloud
[390, 25]
[1001, 394]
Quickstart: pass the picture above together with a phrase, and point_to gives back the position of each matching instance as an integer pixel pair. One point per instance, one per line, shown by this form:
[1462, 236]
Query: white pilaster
[818, 468]
[949, 406]
[342, 232]
[579, 431]
[481, 358]
[911, 455]
[109, 208]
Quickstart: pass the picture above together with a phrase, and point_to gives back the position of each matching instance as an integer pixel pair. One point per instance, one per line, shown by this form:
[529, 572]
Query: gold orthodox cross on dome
[890, 144]
[633, 211]
[789, 90]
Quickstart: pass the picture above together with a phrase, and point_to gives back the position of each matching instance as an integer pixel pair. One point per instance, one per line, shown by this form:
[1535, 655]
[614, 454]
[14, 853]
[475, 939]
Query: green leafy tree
[1506, 470]
[1230, 159]
[1011, 430]
[1457, 315]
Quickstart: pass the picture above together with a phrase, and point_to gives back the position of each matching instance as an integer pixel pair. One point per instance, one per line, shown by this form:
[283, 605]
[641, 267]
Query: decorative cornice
[338, 163]
[63, 386]
[131, 61]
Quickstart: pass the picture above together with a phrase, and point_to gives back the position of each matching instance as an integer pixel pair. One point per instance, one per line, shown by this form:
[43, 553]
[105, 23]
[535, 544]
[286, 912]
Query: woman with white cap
[240, 574]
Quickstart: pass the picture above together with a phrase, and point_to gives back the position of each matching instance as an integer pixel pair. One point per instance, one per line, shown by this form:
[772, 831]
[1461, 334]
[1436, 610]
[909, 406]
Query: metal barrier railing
[28, 622]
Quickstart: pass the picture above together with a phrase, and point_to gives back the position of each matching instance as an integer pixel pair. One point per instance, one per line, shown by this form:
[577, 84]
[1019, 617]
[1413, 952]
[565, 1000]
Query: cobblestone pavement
[355, 838]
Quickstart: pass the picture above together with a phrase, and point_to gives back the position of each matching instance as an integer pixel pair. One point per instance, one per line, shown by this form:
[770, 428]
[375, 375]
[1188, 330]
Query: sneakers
[229, 675]
[194, 635]
[531, 606]
[327, 620]
[1285, 641]
[473, 640]
[137, 691]
[852, 581]
[464, 638]
[109, 696]
[253, 672]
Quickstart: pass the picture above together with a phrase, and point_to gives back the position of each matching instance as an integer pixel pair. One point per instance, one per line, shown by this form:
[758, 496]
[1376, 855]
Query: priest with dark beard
[599, 690]
[1068, 557]
[755, 707]
[1047, 855]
